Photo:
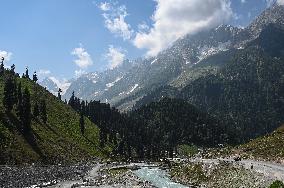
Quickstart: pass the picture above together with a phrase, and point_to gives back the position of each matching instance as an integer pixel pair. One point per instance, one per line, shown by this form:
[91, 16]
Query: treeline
[17, 100]
[155, 130]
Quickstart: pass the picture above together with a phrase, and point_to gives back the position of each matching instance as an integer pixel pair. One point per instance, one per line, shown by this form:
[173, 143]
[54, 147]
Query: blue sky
[65, 38]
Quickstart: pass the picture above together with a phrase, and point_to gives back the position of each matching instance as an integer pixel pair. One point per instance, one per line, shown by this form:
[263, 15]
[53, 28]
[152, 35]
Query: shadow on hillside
[47, 127]
[15, 127]
[92, 142]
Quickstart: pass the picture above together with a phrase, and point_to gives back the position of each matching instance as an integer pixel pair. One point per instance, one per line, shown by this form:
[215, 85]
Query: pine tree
[9, 94]
[19, 99]
[13, 67]
[72, 100]
[59, 93]
[27, 73]
[82, 124]
[35, 79]
[2, 69]
[36, 110]
[43, 112]
[27, 114]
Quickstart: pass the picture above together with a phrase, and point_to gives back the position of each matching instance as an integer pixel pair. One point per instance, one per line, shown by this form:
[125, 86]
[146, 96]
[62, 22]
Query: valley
[207, 111]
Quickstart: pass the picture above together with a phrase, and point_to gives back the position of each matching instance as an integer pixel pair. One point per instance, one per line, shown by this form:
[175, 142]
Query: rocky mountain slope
[188, 59]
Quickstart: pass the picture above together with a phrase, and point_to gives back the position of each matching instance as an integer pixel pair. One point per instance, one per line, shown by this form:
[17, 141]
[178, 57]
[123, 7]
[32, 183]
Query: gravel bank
[43, 176]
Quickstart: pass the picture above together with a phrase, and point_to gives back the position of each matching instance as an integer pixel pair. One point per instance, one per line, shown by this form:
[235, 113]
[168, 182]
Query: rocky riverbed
[41, 176]
[80, 175]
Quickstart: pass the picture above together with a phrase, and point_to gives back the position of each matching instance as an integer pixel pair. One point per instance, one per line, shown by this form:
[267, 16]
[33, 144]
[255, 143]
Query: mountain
[188, 59]
[59, 140]
[245, 88]
[52, 85]
[248, 91]
[135, 79]
[97, 86]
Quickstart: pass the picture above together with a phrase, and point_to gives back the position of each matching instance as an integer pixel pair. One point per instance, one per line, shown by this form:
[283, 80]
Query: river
[157, 177]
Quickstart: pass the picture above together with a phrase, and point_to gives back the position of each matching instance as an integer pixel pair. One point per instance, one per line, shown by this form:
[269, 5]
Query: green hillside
[58, 141]
[269, 147]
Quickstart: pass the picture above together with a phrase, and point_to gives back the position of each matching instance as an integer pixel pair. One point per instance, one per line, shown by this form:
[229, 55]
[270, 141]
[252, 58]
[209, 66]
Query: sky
[64, 39]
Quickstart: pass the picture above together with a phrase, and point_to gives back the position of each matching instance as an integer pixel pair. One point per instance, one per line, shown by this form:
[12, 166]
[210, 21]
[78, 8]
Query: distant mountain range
[173, 71]
[188, 59]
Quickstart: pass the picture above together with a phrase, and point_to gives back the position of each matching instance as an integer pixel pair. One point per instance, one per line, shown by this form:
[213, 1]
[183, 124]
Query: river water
[157, 177]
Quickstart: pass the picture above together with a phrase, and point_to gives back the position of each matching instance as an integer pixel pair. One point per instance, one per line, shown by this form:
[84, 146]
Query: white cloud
[44, 72]
[115, 20]
[104, 6]
[6, 55]
[280, 2]
[176, 18]
[143, 27]
[243, 1]
[79, 73]
[84, 59]
[115, 56]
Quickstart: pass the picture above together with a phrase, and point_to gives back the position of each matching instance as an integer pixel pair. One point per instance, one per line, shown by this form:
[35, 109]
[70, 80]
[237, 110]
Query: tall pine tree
[27, 73]
[35, 79]
[20, 100]
[59, 93]
[2, 69]
[9, 93]
[27, 113]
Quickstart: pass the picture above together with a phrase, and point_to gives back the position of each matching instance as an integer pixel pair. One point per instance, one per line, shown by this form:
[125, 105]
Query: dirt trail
[271, 170]
[92, 174]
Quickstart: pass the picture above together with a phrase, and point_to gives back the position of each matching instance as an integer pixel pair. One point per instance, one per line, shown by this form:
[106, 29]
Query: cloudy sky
[67, 38]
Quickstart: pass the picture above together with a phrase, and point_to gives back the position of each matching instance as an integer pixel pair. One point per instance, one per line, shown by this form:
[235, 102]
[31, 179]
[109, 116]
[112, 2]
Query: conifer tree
[13, 67]
[9, 94]
[72, 100]
[35, 79]
[27, 73]
[59, 93]
[27, 114]
[19, 99]
[2, 69]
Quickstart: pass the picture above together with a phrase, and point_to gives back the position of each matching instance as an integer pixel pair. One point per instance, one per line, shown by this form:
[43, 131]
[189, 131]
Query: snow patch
[154, 61]
[207, 51]
[133, 88]
[122, 93]
[96, 93]
[62, 84]
[109, 85]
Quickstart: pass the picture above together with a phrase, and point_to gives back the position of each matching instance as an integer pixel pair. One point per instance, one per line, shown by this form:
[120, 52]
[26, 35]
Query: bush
[187, 150]
[277, 184]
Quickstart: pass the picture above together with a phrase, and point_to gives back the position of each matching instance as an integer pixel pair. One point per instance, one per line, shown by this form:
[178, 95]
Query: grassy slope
[270, 147]
[58, 141]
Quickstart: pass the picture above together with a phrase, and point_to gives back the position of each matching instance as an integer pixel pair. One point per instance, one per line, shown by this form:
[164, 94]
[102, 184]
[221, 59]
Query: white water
[157, 177]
